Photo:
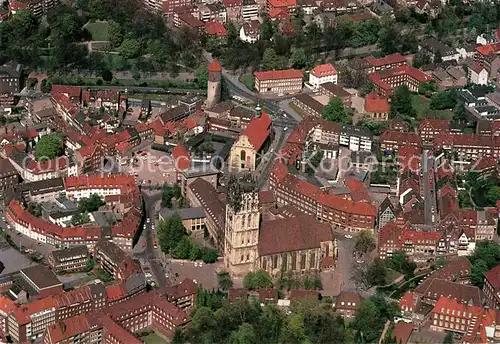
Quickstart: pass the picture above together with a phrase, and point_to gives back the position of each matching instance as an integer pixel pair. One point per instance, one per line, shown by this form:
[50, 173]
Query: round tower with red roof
[214, 83]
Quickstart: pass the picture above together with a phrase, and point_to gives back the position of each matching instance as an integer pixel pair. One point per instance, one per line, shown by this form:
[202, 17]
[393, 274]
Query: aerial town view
[249, 171]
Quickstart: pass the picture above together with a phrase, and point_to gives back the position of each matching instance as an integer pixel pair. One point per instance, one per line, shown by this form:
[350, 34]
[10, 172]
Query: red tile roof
[302, 232]
[420, 237]
[258, 130]
[436, 124]
[493, 276]
[487, 49]
[282, 3]
[279, 74]
[379, 78]
[386, 60]
[281, 175]
[17, 5]
[214, 66]
[215, 28]
[96, 181]
[408, 301]
[278, 13]
[399, 137]
[358, 190]
[182, 157]
[323, 70]
[232, 3]
[190, 123]
[115, 292]
[68, 328]
[390, 232]
[374, 103]
[402, 332]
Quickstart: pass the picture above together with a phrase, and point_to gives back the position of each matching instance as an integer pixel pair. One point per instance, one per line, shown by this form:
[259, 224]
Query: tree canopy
[257, 280]
[485, 257]
[335, 111]
[365, 242]
[90, 204]
[48, 148]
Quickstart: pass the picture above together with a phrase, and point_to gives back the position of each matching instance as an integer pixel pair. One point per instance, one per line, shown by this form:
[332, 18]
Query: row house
[119, 323]
[114, 260]
[374, 65]
[475, 323]
[69, 259]
[356, 138]
[429, 128]
[308, 104]
[390, 140]
[40, 230]
[212, 13]
[423, 243]
[491, 288]
[201, 193]
[386, 81]
[342, 213]
[287, 6]
[484, 167]
[417, 244]
[468, 145]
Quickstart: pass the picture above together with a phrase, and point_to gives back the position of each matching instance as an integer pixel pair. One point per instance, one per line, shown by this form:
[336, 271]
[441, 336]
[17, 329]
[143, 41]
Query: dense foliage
[57, 43]
[309, 321]
[485, 257]
[48, 148]
[90, 204]
[173, 239]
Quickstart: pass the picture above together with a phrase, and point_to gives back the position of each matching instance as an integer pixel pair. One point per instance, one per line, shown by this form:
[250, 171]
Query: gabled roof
[258, 130]
[493, 277]
[279, 74]
[323, 70]
[376, 104]
[292, 234]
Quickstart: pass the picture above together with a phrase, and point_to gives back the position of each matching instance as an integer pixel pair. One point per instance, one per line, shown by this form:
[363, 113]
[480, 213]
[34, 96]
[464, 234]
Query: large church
[284, 240]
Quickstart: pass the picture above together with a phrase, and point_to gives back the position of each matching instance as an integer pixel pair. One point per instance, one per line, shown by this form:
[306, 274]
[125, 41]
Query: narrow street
[150, 254]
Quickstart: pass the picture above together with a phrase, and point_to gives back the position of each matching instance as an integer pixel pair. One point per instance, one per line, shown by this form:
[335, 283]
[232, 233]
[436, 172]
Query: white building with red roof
[279, 81]
[321, 74]
[252, 141]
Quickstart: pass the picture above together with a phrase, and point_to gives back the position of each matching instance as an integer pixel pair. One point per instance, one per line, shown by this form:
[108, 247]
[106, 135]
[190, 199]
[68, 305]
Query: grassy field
[153, 338]
[422, 107]
[248, 81]
[100, 46]
[99, 30]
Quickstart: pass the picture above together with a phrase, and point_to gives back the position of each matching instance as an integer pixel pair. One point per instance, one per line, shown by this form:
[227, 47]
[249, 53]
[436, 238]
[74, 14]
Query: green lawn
[153, 338]
[98, 30]
[421, 105]
[248, 80]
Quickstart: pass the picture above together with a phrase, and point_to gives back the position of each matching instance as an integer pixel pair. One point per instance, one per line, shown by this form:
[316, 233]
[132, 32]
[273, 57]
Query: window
[243, 155]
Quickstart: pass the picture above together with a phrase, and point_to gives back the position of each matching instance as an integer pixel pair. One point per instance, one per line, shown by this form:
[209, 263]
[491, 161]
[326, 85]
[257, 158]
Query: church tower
[214, 83]
[242, 225]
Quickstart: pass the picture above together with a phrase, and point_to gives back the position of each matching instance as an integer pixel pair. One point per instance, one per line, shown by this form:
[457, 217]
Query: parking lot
[12, 259]
[153, 167]
[202, 273]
